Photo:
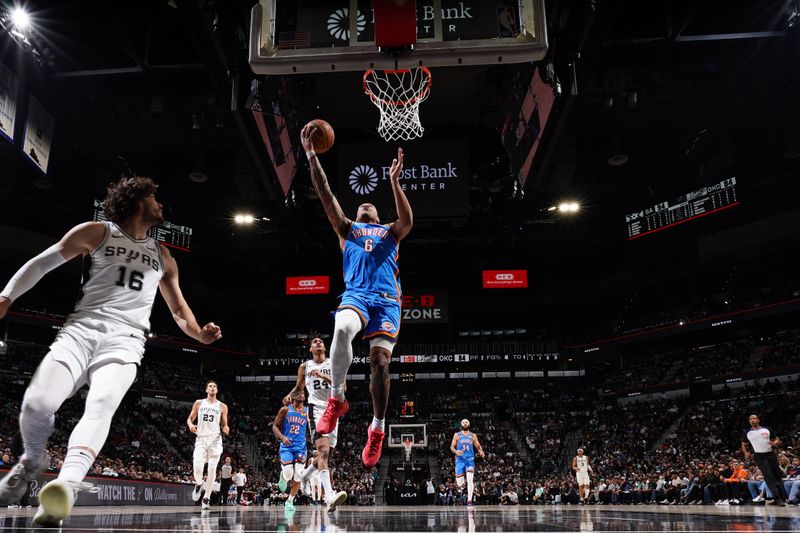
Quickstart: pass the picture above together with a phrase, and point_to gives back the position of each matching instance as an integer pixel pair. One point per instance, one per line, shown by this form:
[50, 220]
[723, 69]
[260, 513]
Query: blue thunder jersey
[465, 445]
[294, 428]
[370, 255]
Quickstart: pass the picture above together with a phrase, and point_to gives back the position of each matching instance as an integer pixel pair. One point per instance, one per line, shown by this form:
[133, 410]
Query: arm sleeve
[32, 271]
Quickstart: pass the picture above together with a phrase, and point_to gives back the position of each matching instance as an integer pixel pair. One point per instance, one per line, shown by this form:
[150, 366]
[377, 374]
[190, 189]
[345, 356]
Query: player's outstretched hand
[5, 303]
[306, 136]
[210, 333]
[397, 166]
[192, 428]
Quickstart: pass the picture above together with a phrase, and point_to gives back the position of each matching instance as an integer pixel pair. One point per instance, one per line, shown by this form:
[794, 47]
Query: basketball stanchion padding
[398, 94]
[395, 23]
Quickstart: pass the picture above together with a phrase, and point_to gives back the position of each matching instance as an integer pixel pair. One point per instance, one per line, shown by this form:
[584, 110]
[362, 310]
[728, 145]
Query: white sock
[212, 476]
[470, 485]
[325, 479]
[378, 424]
[77, 463]
[347, 325]
[198, 473]
[310, 469]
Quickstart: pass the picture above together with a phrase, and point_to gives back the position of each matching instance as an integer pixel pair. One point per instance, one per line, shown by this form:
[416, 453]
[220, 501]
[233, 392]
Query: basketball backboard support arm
[267, 58]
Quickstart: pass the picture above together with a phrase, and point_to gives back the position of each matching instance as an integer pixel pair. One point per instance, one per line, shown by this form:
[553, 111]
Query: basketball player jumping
[464, 445]
[211, 415]
[289, 427]
[102, 341]
[581, 466]
[372, 297]
[315, 376]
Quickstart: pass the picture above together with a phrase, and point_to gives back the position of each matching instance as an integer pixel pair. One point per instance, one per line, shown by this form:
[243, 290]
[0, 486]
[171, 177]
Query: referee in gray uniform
[761, 440]
[226, 472]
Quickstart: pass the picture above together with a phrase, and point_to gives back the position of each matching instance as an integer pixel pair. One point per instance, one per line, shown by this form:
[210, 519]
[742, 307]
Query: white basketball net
[397, 94]
[407, 444]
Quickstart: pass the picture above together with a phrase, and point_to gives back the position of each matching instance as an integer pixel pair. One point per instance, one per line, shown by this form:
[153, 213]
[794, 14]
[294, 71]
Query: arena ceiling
[688, 90]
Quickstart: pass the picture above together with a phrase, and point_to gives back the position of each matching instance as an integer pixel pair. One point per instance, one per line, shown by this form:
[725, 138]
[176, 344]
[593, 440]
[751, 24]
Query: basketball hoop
[397, 94]
[407, 444]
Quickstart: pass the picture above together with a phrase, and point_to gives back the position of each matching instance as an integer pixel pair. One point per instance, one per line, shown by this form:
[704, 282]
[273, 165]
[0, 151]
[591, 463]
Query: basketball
[323, 137]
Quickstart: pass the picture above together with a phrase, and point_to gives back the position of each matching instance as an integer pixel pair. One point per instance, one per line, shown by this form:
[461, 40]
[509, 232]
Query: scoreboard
[687, 207]
[168, 234]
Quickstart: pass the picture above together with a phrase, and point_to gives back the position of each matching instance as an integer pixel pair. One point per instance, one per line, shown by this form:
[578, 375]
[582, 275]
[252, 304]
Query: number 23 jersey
[121, 277]
[208, 416]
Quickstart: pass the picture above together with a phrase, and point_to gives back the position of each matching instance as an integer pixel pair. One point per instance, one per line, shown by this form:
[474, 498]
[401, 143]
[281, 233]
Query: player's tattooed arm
[453, 444]
[405, 216]
[341, 224]
[276, 426]
[478, 446]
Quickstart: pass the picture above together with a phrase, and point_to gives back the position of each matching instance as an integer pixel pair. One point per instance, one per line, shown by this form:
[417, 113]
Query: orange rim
[399, 103]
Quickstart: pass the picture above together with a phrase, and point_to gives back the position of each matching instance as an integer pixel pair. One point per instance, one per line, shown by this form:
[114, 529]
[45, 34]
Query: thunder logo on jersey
[294, 428]
[370, 256]
[465, 445]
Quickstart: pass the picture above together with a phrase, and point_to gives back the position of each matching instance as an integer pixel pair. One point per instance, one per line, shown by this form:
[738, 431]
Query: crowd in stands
[651, 451]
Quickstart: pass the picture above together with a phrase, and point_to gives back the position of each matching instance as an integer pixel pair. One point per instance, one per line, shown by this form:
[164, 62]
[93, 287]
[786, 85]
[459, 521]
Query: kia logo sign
[307, 285]
[505, 279]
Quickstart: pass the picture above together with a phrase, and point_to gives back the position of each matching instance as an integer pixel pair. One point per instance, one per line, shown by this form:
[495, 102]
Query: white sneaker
[724, 502]
[758, 499]
[56, 500]
[336, 500]
[15, 482]
[197, 492]
[206, 505]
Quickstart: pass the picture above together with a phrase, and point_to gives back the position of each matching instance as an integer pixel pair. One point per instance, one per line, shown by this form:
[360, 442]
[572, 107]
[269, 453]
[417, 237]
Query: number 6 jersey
[120, 278]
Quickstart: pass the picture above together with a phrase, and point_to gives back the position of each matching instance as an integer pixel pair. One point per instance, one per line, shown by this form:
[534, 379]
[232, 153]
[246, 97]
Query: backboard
[289, 37]
[400, 432]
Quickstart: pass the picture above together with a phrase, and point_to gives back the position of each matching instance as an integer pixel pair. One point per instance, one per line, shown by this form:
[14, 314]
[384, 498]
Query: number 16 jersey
[120, 279]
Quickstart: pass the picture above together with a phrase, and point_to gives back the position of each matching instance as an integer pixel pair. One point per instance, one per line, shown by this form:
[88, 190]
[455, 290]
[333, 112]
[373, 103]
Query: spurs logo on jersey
[581, 463]
[120, 278]
[318, 389]
[208, 418]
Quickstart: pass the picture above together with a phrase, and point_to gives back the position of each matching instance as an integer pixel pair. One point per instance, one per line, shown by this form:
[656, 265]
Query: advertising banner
[505, 279]
[434, 178]
[38, 134]
[8, 101]
[424, 307]
[307, 285]
[114, 491]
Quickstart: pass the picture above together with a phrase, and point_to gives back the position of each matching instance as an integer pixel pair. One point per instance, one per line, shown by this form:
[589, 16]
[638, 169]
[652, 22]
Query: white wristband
[310, 154]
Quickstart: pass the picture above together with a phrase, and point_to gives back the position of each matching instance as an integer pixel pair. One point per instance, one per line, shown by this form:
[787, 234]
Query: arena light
[244, 219]
[568, 207]
[20, 19]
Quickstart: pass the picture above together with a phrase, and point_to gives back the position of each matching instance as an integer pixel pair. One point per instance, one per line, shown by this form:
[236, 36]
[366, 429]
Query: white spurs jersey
[120, 278]
[318, 390]
[582, 463]
[208, 418]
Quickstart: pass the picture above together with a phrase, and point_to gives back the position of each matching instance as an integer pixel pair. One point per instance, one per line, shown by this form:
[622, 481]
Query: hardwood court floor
[422, 518]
